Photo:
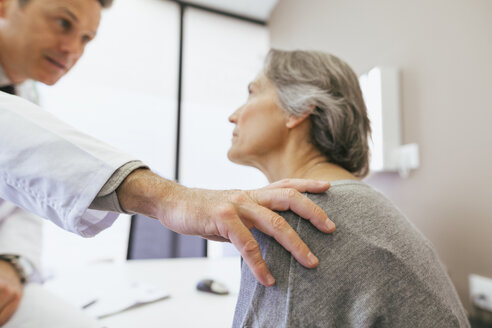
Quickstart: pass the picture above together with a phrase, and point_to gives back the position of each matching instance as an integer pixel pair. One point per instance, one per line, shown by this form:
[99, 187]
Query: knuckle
[278, 223]
[240, 197]
[291, 193]
[297, 245]
[283, 183]
[316, 210]
[251, 247]
[251, 254]
[319, 212]
[226, 211]
[259, 264]
[294, 243]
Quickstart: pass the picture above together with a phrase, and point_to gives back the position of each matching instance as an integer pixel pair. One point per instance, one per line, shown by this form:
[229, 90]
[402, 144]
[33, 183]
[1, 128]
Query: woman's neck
[301, 161]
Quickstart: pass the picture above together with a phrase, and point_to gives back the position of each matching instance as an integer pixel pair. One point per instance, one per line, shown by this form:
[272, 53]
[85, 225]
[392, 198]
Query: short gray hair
[327, 86]
[104, 3]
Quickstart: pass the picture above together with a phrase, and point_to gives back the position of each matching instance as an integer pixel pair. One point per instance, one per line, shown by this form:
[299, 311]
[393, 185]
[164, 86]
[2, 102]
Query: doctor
[23, 301]
[52, 170]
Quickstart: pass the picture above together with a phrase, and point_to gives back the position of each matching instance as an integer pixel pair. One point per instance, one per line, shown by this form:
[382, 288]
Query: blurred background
[161, 78]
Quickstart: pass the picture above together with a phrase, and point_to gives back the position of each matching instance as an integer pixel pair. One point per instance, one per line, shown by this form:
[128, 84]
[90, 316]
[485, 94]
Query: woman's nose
[233, 116]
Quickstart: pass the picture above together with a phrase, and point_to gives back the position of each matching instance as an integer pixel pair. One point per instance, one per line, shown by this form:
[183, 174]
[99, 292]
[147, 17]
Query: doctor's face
[43, 39]
[260, 128]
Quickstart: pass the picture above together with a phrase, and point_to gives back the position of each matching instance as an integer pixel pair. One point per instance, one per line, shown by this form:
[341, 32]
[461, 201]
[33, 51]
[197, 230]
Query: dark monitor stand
[149, 239]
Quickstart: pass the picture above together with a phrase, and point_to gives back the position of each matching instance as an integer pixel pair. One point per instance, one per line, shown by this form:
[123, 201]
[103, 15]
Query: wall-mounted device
[481, 297]
[381, 90]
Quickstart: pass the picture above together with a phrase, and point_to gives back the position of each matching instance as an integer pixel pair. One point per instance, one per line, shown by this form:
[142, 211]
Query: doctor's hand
[10, 291]
[229, 215]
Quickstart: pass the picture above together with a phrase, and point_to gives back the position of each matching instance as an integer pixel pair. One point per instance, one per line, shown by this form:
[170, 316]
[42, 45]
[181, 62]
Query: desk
[186, 306]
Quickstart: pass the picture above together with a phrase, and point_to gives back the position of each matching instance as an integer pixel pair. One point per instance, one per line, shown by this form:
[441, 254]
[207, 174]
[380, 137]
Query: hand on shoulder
[229, 215]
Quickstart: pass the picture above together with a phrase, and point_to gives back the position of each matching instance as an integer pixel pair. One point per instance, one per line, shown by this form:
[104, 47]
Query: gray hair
[104, 3]
[327, 87]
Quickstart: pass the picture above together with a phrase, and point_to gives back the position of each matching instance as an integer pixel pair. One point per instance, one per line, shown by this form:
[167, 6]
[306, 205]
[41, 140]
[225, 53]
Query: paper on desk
[122, 298]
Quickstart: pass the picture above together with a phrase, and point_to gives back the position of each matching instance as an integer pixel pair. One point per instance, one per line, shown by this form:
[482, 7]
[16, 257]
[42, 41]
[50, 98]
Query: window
[122, 91]
[221, 56]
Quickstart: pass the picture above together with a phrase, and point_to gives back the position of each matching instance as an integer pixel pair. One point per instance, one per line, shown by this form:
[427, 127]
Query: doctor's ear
[2, 8]
[293, 121]
[4, 5]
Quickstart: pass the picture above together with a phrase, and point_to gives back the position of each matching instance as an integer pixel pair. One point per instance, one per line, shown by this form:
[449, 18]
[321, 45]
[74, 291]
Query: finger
[5, 296]
[302, 185]
[290, 199]
[216, 238]
[276, 226]
[247, 245]
[9, 308]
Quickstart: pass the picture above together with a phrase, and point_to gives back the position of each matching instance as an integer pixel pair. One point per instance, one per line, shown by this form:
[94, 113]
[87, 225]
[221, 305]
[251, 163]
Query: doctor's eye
[86, 39]
[64, 23]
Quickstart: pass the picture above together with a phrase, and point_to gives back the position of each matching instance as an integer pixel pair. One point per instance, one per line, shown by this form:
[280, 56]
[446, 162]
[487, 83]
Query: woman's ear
[293, 121]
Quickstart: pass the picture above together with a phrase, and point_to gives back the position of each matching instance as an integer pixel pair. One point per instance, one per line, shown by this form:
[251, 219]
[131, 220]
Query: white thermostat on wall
[381, 90]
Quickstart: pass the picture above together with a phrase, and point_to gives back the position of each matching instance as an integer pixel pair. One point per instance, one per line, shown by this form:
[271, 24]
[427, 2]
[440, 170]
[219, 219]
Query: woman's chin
[231, 156]
[234, 157]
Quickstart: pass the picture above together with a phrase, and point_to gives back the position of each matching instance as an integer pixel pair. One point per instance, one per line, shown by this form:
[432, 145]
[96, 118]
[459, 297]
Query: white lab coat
[20, 230]
[51, 169]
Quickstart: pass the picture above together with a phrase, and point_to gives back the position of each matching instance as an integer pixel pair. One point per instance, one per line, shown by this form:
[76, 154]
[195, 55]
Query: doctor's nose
[73, 47]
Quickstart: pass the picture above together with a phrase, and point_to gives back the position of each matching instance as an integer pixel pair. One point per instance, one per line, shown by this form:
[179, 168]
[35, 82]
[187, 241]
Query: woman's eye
[64, 23]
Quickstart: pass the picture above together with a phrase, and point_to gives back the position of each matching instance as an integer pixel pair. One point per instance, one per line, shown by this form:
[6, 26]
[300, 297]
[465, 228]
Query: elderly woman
[305, 118]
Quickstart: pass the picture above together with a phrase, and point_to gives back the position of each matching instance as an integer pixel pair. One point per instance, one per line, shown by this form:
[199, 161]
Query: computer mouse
[212, 286]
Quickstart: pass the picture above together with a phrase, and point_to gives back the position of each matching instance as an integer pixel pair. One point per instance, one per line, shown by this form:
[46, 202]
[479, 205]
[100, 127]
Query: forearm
[145, 192]
[107, 198]
[184, 210]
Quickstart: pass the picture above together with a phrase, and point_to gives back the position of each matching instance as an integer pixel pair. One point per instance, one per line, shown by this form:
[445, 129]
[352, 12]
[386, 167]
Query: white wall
[444, 50]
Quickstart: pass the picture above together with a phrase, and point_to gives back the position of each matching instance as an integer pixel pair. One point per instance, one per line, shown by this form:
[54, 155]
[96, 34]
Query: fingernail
[270, 279]
[330, 225]
[312, 260]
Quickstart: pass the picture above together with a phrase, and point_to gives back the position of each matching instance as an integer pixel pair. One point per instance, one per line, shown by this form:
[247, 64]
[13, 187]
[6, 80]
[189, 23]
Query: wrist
[147, 193]
[14, 266]
[6, 268]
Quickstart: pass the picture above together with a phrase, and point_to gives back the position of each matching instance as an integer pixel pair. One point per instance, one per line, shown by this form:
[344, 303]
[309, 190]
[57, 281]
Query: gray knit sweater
[376, 270]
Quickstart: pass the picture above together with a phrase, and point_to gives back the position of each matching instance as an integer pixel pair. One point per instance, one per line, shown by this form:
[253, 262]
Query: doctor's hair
[104, 3]
[326, 86]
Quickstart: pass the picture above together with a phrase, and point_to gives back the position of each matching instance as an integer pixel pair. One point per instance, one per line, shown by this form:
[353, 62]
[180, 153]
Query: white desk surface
[186, 307]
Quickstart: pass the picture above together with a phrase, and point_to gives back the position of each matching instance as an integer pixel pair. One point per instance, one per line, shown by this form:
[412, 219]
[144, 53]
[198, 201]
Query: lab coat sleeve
[49, 168]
